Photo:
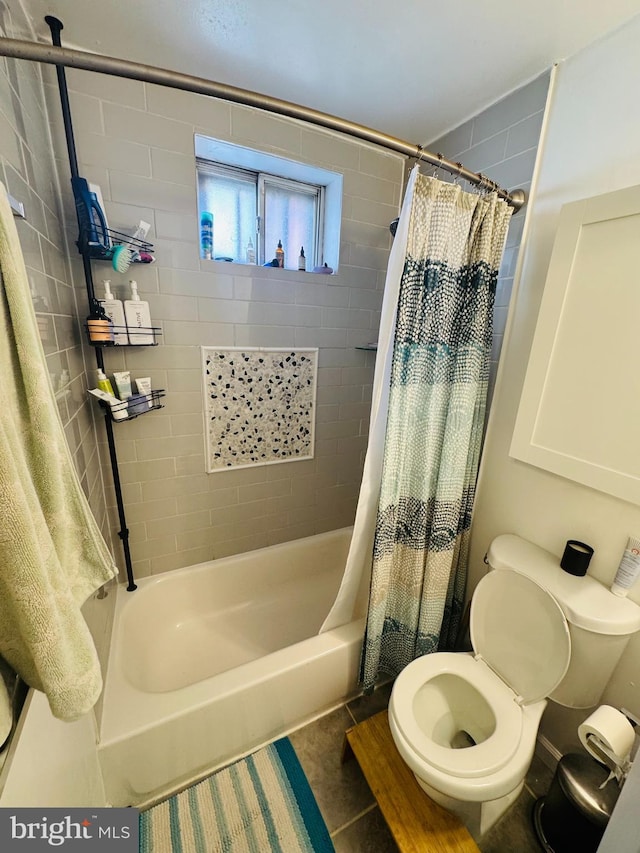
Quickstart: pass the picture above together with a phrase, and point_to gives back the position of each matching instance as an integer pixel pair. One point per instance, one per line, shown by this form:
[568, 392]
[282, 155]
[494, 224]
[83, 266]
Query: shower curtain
[430, 390]
[52, 554]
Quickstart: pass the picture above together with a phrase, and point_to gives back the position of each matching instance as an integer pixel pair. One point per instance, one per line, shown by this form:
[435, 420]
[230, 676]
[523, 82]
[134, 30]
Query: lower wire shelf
[134, 406]
[101, 333]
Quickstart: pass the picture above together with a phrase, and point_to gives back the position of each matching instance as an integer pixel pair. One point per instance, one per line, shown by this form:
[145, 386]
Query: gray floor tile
[341, 790]
[539, 777]
[514, 832]
[368, 834]
[366, 706]
[342, 793]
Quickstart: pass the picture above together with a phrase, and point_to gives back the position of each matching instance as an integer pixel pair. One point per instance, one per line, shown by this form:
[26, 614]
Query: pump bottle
[115, 312]
[138, 317]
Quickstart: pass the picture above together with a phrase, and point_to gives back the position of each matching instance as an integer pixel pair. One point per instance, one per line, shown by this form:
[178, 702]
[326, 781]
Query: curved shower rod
[83, 60]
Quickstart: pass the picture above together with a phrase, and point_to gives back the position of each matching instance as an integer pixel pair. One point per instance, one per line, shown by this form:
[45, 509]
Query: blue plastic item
[206, 235]
[91, 219]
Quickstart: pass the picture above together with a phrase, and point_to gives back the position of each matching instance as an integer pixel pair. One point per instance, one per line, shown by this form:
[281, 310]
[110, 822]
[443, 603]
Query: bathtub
[211, 661]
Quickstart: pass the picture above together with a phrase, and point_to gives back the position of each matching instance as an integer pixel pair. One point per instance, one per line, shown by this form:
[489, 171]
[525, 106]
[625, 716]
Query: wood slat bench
[417, 824]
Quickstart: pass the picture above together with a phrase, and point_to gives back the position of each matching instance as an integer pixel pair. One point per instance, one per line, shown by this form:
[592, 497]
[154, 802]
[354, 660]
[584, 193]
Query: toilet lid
[519, 629]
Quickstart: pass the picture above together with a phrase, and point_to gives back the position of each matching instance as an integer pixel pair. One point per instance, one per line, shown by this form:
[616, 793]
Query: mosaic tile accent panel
[259, 405]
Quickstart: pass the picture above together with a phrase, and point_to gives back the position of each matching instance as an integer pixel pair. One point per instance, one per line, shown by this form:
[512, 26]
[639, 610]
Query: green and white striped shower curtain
[439, 368]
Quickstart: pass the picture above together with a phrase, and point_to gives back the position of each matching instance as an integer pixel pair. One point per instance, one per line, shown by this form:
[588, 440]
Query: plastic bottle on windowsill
[206, 235]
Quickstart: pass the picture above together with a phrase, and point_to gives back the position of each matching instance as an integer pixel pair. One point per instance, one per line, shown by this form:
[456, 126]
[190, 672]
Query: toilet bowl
[466, 723]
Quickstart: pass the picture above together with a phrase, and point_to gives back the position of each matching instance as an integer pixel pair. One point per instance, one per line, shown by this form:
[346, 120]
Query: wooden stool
[417, 824]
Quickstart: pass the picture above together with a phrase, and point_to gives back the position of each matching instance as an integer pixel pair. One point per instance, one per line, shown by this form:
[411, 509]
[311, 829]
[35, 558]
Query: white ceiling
[413, 69]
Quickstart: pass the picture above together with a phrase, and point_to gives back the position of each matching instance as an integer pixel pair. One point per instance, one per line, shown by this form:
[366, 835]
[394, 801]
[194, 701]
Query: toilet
[466, 723]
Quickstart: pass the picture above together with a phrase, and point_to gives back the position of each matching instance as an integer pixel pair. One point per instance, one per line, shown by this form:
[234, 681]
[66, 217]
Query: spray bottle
[206, 235]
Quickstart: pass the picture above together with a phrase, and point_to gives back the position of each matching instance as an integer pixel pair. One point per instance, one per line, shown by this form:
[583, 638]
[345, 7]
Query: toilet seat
[522, 650]
[520, 630]
[482, 759]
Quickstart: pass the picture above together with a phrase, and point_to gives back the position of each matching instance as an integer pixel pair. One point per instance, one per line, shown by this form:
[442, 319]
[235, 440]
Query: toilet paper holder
[618, 768]
[635, 721]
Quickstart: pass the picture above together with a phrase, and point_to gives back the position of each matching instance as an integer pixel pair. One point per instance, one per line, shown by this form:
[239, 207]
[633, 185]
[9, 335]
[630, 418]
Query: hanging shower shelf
[138, 404]
[142, 250]
[148, 331]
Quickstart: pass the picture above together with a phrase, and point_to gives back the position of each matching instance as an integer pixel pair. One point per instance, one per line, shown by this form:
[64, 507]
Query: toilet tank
[600, 623]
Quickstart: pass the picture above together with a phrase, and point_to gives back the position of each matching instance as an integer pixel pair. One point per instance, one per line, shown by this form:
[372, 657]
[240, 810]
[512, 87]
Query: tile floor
[349, 809]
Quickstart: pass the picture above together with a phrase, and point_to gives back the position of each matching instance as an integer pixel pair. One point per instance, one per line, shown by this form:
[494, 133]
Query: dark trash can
[574, 814]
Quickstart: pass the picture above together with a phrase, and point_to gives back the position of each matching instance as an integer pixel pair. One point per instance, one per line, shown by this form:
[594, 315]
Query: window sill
[254, 270]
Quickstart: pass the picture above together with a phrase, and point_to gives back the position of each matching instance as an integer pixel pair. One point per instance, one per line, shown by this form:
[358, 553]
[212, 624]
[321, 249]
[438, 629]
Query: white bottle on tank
[629, 568]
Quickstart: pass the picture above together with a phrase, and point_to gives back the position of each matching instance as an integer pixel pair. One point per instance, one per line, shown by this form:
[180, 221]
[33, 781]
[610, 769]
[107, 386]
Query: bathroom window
[258, 200]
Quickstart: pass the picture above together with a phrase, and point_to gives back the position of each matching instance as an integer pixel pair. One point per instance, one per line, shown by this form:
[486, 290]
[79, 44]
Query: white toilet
[466, 724]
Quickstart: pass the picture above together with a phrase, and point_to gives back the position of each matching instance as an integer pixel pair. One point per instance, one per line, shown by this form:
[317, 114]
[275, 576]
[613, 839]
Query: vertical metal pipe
[123, 533]
[55, 26]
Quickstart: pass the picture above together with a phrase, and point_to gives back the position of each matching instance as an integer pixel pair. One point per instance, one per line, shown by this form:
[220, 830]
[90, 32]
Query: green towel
[52, 555]
[6, 712]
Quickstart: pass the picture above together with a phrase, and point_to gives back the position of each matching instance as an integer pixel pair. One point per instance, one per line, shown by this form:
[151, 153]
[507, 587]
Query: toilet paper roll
[611, 729]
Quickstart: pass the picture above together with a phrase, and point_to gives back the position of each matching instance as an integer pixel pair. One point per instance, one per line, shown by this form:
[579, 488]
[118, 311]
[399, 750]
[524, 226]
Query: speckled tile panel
[259, 405]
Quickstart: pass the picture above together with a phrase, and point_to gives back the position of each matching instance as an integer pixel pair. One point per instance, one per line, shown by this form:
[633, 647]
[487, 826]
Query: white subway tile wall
[137, 142]
[502, 143]
[28, 170]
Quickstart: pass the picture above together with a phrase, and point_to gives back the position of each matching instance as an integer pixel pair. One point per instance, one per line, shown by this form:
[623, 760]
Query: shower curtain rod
[72, 58]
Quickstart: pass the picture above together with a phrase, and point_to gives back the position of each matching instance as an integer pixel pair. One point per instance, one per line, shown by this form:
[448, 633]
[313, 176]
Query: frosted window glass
[261, 208]
[290, 216]
[319, 214]
[232, 201]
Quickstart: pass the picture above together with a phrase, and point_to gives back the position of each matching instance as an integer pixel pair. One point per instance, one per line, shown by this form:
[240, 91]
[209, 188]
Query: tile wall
[28, 171]
[136, 142]
[502, 143]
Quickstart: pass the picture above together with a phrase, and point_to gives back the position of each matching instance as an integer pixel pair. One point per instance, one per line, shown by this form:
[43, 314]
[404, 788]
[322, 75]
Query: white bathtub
[211, 661]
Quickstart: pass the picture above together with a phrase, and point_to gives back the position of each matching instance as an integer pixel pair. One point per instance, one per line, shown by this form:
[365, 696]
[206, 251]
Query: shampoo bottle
[628, 570]
[114, 310]
[251, 252]
[138, 319]
[302, 261]
[104, 384]
[280, 254]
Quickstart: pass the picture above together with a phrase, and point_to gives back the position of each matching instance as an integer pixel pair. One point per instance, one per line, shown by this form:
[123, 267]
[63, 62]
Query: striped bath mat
[258, 805]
